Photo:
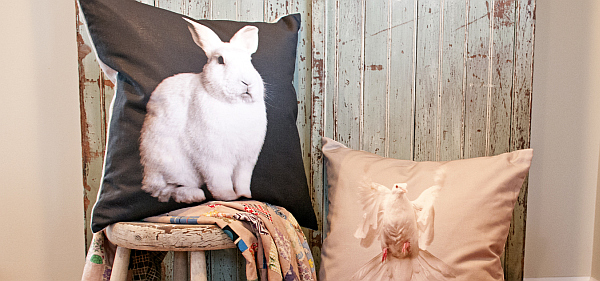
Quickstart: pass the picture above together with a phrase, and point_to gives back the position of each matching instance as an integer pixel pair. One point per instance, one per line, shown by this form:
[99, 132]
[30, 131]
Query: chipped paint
[375, 67]
[504, 12]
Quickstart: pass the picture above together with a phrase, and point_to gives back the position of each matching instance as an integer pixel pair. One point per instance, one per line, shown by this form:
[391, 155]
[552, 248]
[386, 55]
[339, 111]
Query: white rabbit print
[206, 128]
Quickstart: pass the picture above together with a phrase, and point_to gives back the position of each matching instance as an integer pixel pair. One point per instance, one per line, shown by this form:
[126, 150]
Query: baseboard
[561, 279]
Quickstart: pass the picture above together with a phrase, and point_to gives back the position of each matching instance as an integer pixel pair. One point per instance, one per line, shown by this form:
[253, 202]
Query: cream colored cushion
[472, 213]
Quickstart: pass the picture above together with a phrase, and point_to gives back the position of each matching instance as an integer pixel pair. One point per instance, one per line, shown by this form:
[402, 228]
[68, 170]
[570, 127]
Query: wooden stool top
[168, 237]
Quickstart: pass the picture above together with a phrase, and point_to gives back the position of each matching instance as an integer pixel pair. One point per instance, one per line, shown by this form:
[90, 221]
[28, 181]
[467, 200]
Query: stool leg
[180, 266]
[120, 265]
[198, 266]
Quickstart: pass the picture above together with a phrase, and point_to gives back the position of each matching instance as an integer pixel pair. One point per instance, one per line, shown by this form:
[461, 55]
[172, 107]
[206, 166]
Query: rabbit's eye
[220, 60]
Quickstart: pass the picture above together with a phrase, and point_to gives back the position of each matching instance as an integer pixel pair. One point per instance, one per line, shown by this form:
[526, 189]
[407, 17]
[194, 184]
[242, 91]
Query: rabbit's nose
[244, 82]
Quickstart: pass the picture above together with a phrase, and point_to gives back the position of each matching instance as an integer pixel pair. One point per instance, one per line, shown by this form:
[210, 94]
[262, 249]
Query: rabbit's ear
[247, 38]
[204, 37]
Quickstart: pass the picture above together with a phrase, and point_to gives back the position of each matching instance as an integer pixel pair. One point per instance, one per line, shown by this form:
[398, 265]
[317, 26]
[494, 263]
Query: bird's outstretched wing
[424, 211]
[371, 195]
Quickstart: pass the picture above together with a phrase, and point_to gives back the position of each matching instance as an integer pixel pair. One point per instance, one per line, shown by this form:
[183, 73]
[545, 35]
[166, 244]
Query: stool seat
[168, 237]
[180, 238]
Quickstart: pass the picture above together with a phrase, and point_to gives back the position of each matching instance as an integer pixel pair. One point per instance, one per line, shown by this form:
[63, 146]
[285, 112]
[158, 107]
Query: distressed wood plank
[177, 6]
[224, 265]
[521, 130]
[401, 80]
[318, 78]
[198, 269]
[198, 9]
[168, 267]
[93, 121]
[427, 79]
[251, 10]
[523, 75]
[478, 79]
[224, 10]
[274, 9]
[173, 237]
[349, 73]
[376, 67]
[503, 32]
[302, 84]
[328, 13]
[452, 83]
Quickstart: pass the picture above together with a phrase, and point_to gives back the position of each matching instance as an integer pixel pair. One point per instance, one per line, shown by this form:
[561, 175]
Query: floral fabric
[268, 236]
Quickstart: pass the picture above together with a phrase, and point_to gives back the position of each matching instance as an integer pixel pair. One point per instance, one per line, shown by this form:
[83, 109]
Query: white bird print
[404, 229]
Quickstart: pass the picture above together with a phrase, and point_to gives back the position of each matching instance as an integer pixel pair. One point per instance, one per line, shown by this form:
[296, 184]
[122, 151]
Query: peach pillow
[472, 212]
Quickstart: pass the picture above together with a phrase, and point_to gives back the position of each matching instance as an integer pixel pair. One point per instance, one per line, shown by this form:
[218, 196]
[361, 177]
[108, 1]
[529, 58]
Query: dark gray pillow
[145, 45]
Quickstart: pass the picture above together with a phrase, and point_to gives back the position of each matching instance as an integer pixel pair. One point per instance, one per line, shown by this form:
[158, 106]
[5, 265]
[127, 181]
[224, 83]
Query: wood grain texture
[427, 54]
[402, 61]
[478, 79]
[168, 237]
[411, 79]
[501, 76]
[451, 107]
[520, 130]
[318, 79]
[198, 266]
[376, 68]
[95, 94]
[347, 96]
[119, 267]
[198, 9]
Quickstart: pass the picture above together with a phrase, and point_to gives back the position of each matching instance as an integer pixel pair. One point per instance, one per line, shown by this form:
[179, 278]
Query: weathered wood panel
[520, 129]
[348, 70]
[501, 76]
[478, 76]
[376, 74]
[427, 79]
[95, 95]
[411, 79]
[175, 237]
[402, 61]
[452, 81]
[318, 79]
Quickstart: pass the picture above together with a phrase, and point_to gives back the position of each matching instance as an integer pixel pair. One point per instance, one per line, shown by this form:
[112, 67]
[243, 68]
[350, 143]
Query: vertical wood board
[452, 81]
[402, 61]
[520, 129]
[376, 73]
[95, 95]
[478, 78]
[427, 67]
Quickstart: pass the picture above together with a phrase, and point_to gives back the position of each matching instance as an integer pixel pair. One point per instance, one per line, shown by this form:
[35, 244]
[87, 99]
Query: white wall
[565, 138]
[596, 251]
[41, 207]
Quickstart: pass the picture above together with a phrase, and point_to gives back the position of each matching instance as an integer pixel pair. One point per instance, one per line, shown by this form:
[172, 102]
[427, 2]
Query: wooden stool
[180, 238]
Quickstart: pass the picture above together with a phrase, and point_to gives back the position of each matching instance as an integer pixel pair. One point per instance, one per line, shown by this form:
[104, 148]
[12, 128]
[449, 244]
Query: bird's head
[399, 188]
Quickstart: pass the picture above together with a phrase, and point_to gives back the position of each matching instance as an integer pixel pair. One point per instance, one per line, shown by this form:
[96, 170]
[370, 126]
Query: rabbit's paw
[242, 181]
[223, 194]
[163, 193]
[245, 193]
[187, 194]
